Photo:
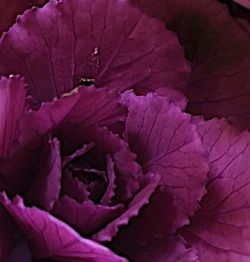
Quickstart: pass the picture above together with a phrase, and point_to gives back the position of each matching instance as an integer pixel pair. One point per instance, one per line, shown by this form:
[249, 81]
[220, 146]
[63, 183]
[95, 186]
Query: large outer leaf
[220, 230]
[57, 45]
[219, 49]
[49, 237]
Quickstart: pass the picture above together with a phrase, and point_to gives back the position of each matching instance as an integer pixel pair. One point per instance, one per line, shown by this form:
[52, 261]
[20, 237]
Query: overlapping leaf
[220, 230]
[219, 49]
[88, 41]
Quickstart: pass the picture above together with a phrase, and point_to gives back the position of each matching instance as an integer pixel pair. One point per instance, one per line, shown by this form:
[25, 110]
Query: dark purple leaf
[74, 188]
[86, 217]
[158, 217]
[46, 186]
[140, 200]
[10, 9]
[20, 253]
[128, 173]
[79, 152]
[220, 230]
[166, 142]
[171, 249]
[219, 49]
[110, 191]
[7, 234]
[12, 105]
[49, 237]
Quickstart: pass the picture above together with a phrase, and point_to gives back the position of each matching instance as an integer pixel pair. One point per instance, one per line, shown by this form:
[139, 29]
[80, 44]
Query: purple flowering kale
[102, 155]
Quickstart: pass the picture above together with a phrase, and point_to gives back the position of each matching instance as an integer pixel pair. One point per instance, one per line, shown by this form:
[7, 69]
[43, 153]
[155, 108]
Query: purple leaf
[89, 105]
[171, 249]
[49, 237]
[10, 9]
[79, 152]
[219, 48]
[20, 253]
[128, 173]
[7, 234]
[86, 217]
[46, 186]
[99, 41]
[174, 96]
[158, 217]
[110, 191]
[74, 188]
[86, 105]
[18, 177]
[140, 200]
[166, 142]
[220, 230]
[12, 105]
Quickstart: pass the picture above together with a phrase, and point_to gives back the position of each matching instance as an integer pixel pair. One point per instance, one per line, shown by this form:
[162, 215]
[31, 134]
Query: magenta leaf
[74, 188]
[110, 191]
[158, 240]
[158, 217]
[11, 9]
[49, 237]
[175, 96]
[46, 186]
[99, 41]
[220, 230]
[166, 142]
[84, 149]
[219, 49]
[171, 249]
[85, 105]
[139, 200]
[12, 105]
[86, 217]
